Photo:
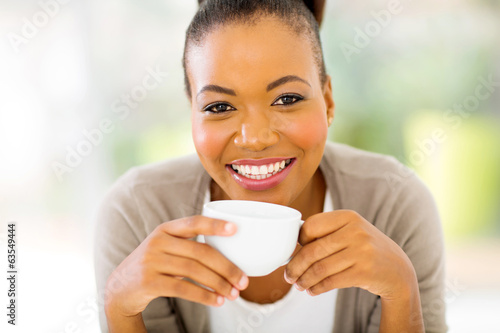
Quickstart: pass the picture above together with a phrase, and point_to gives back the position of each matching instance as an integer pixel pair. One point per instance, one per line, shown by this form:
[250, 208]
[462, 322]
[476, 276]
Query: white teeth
[262, 171]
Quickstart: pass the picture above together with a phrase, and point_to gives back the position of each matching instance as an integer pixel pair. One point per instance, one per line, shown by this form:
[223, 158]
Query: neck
[312, 198]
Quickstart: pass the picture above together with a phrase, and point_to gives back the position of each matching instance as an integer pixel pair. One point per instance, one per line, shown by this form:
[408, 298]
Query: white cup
[266, 237]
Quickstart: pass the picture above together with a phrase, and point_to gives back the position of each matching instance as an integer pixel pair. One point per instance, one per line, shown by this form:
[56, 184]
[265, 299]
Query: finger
[208, 256]
[168, 286]
[324, 268]
[345, 279]
[179, 266]
[322, 224]
[192, 226]
[315, 251]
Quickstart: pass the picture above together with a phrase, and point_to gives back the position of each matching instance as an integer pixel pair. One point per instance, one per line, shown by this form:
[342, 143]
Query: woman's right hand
[156, 268]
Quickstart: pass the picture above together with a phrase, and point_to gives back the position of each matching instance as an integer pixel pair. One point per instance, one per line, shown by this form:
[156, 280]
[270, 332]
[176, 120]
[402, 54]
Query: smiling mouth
[261, 171]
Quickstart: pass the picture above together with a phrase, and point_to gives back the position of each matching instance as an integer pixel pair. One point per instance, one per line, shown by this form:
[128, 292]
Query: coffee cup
[266, 237]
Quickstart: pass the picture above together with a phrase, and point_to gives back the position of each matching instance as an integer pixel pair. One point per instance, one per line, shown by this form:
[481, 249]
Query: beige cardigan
[378, 187]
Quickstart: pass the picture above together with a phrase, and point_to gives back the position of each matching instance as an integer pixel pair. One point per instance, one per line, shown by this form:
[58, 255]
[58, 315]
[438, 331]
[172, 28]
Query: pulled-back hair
[297, 14]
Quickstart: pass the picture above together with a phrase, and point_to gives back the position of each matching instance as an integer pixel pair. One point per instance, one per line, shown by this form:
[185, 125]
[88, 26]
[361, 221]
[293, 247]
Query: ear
[328, 97]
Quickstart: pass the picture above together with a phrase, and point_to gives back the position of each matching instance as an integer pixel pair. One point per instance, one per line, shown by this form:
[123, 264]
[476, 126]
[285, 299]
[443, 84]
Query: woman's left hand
[341, 249]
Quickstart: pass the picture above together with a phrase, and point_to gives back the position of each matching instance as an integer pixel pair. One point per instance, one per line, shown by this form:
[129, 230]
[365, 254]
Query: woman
[259, 94]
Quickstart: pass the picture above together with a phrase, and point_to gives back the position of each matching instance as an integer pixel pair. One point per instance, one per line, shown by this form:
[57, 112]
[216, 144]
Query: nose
[256, 133]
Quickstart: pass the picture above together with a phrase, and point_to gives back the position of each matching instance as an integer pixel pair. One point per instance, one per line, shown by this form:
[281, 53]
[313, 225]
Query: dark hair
[297, 14]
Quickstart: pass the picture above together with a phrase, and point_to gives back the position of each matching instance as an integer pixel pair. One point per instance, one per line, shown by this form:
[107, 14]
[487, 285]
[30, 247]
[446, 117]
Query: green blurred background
[412, 87]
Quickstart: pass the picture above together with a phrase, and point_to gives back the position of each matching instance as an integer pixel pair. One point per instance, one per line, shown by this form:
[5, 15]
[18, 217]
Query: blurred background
[91, 88]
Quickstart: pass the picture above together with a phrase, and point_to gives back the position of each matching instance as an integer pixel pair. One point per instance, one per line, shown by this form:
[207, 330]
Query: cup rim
[293, 214]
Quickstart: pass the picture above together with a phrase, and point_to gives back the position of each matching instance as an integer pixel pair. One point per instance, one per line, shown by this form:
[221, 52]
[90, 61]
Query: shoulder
[371, 173]
[375, 185]
[356, 163]
[175, 170]
[157, 192]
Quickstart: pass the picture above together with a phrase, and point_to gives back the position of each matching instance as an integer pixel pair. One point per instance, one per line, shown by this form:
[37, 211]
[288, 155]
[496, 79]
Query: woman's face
[258, 109]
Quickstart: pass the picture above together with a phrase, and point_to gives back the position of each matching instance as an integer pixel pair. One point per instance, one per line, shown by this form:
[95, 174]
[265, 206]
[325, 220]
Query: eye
[287, 99]
[218, 108]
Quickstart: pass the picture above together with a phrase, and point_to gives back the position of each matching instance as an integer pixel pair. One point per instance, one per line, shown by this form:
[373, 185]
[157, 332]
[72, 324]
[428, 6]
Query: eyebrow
[270, 86]
[217, 89]
[283, 80]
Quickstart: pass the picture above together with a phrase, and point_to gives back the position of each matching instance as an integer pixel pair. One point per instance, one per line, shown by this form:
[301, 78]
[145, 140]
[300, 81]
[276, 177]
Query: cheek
[309, 131]
[208, 140]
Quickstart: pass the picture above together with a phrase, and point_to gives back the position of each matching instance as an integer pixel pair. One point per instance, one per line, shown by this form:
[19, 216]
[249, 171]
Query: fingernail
[229, 227]
[234, 293]
[220, 300]
[243, 282]
[299, 288]
[310, 292]
[287, 279]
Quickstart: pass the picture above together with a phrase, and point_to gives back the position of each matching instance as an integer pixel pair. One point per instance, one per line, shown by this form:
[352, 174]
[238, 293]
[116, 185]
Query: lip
[260, 184]
[261, 161]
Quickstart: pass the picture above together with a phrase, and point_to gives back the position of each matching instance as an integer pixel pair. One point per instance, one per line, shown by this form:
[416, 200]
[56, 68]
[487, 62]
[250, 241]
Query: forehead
[242, 55]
